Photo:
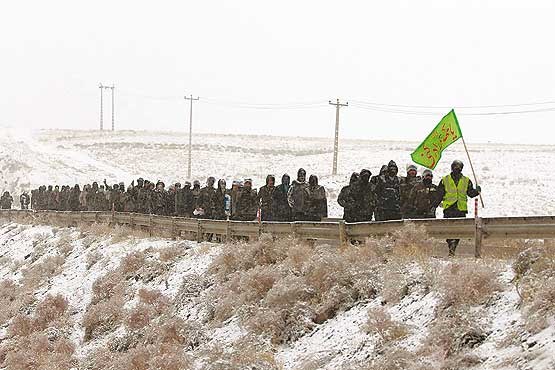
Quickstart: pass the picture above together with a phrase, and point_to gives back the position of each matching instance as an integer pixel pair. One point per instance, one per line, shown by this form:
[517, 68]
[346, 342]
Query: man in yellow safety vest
[453, 192]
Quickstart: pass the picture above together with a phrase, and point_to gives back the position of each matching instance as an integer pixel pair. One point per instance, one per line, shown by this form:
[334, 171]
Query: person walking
[453, 192]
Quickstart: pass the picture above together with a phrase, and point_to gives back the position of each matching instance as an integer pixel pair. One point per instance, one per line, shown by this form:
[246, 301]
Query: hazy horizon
[271, 69]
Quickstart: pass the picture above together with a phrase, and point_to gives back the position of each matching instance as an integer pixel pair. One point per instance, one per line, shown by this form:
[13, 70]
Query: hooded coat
[388, 194]
[296, 197]
[316, 202]
[281, 211]
[347, 199]
[265, 198]
[247, 204]
[219, 201]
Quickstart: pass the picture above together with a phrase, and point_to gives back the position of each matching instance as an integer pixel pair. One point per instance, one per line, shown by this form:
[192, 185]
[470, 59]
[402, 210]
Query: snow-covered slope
[133, 302]
[516, 180]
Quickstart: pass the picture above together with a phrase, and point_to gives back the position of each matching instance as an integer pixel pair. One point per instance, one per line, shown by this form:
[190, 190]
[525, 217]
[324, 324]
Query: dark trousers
[388, 214]
[299, 216]
[453, 212]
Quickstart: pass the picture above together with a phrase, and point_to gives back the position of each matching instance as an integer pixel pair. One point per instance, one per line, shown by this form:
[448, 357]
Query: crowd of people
[288, 201]
[385, 196]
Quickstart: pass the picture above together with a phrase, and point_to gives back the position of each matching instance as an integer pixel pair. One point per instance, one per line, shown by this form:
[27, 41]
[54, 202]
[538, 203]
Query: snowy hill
[112, 298]
[516, 180]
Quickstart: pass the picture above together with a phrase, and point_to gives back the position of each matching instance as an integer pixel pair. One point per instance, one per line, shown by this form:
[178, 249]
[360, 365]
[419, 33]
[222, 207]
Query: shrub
[51, 309]
[140, 316]
[170, 254]
[102, 317]
[38, 352]
[379, 322]
[282, 289]
[153, 298]
[13, 298]
[247, 353]
[39, 272]
[244, 256]
[132, 263]
[453, 333]
[468, 283]
[93, 258]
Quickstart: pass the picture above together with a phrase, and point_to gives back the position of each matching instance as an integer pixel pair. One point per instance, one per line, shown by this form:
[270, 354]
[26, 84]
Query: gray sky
[270, 67]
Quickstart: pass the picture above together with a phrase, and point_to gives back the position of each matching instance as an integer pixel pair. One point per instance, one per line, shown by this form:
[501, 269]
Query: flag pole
[472, 168]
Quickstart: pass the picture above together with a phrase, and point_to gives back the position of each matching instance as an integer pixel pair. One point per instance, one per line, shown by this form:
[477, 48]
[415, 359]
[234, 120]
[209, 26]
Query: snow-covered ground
[515, 179]
[70, 260]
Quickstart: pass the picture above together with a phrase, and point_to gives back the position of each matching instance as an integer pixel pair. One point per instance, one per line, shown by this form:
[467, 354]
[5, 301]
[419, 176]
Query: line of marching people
[298, 200]
[386, 196]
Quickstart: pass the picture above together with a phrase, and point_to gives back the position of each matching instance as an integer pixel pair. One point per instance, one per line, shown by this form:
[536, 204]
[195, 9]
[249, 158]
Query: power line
[405, 109]
[430, 113]
[265, 106]
[368, 103]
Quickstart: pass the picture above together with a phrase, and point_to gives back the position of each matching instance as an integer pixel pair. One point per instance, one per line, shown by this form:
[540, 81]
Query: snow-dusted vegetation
[95, 297]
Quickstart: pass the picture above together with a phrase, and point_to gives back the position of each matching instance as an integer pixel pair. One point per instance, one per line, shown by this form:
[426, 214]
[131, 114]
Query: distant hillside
[516, 180]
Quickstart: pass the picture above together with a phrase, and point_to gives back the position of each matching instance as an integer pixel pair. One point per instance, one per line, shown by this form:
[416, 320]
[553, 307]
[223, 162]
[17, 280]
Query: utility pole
[190, 132]
[101, 87]
[336, 142]
[113, 125]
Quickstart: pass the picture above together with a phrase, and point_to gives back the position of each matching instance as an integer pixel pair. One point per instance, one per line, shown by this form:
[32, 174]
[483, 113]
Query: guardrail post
[174, 231]
[343, 238]
[294, 230]
[228, 231]
[199, 231]
[478, 237]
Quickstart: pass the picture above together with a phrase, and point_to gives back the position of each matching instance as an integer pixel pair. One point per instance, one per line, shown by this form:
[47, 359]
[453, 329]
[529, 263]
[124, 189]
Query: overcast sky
[270, 67]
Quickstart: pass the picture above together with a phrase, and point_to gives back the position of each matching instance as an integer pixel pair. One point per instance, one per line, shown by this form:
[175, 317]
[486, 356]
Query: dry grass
[93, 258]
[39, 272]
[37, 351]
[453, 333]
[13, 299]
[468, 283]
[50, 312]
[152, 304]
[38, 341]
[93, 232]
[171, 253]
[246, 353]
[535, 281]
[64, 244]
[283, 289]
[380, 322]
[105, 311]
[162, 346]
[395, 359]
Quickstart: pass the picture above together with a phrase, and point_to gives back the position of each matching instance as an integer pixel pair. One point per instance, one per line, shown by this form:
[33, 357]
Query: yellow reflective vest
[455, 193]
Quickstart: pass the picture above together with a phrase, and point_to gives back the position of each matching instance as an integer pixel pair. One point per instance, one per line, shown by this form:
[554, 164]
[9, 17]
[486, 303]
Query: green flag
[444, 134]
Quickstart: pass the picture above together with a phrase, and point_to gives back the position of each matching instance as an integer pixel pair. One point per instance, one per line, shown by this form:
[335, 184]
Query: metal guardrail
[535, 227]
